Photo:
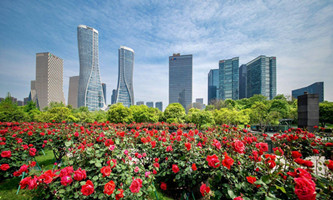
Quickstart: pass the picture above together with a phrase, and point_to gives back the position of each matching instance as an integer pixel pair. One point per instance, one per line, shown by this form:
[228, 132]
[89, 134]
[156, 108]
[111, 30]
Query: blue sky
[298, 33]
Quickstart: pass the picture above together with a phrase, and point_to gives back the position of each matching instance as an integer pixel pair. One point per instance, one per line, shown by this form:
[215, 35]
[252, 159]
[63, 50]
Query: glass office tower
[242, 81]
[125, 93]
[229, 79]
[261, 77]
[180, 79]
[90, 86]
[213, 85]
[315, 88]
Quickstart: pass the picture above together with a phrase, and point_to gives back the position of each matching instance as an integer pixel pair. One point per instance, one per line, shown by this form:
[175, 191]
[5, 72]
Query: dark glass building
[261, 77]
[159, 105]
[315, 88]
[104, 91]
[242, 81]
[150, 104]
[114, 96]
[180, 79]
[229, 79]
[213, 85]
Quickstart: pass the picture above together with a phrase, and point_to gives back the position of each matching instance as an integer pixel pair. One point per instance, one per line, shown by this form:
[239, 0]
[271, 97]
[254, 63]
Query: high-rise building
[242, 81]
[261, 77]
[20, 103]
[180, 79]
[104, 92]
[150, 104]
[73, 91]
[26, 100]
[159, 105]
[33, 93]
[213, 85]
[315, 88]
[125, 93]
[138, 103]
[49, 79]
[90, 86]
[229, 79]
[114, 96]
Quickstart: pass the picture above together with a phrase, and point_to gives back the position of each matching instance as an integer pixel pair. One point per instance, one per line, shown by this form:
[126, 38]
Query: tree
[10, 112]
[200, 117]
[175, 113]
[118, 113]
[143, 113]
[326, 113]
[281, 106]
[261, 114]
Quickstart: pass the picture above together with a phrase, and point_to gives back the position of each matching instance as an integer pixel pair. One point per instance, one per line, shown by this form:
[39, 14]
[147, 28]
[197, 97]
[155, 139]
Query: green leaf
[266, 179]
[231, 194]
[62, 191]
[281, 188]
[98, 164]
[95, 178]
[68, 143]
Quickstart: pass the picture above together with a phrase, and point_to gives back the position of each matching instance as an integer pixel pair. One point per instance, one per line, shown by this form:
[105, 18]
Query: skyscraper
[104, 92]
[180, 79]
[159, 105]
[229, 79]
[213, 85]
[242, 81]
[150, 104]
[138, 103]
[315, 88]
[90, 86]
[49, 79]
[261, 77]
[33, 93]
[73, 91]
[114, 96]
[125, 94]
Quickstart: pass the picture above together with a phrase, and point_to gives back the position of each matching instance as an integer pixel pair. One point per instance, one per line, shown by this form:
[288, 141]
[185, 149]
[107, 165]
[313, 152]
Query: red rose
[315, 151]
[271, 164]
[4, 167]
[6, 154]
[330, 164]
[296, 154]
[305, 189]
[238, 198]
[262, 146]
[204, 189]
[156, 165]
[66, 180]
[32, 152]
[23, 168]
[24, 182]
[239, 146]
[47, 177]
[194, 167]
[228, 161]
[175, 168]
[251, 179]
[88, 188]
[67, 171]
[213, 161]
[106, 171]
[136, 185]
[153, 144]
[109, 187]
[163, 186]
[32, 184]
[188, 146]
[80, 174]
[120, 195]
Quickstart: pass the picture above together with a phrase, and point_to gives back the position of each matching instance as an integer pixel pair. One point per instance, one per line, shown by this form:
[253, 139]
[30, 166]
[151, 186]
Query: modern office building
[180, 79]
[33, 93]
[213, 85]
[125, 93]
[229, 79]
[315, 88]
[26, 100]
[114, 96]
[104, 92]
[90, 86]
[49, 79]
[150, 104]
[20, 103]
[261, 77]
[159, 105]
[242, 81]
[138, 103]
[73, 91]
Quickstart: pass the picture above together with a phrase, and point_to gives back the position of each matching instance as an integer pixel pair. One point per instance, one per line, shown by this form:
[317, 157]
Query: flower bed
[127, 161]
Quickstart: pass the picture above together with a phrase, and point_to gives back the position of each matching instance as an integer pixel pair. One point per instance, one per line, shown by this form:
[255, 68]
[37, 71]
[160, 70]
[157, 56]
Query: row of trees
[254, 110]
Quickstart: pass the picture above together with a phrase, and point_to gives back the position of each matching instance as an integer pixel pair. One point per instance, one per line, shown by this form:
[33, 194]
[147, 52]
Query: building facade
[315, 88]
[104, 92]
[49, 79]
[159, 105]
[242, 81]
[213, 85]
[150, 104]
[180, 79]
[90, 93]
[114, 96]
[261, 77]
[138, 103]
[229, 79]
[125, 93]
[73, 91]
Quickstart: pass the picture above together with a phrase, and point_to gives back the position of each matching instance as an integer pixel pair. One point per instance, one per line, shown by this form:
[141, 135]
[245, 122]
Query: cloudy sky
[298, 33]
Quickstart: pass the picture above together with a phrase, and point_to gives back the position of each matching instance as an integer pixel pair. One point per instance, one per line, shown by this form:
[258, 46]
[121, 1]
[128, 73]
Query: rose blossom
[136, 185]
[88, 188]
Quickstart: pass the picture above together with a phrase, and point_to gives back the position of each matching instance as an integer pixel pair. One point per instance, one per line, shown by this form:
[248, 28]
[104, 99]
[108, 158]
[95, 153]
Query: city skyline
[298, 34]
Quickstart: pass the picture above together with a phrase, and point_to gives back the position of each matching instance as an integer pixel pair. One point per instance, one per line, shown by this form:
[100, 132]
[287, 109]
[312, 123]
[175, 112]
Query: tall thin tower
[90, 86]
[125, 93]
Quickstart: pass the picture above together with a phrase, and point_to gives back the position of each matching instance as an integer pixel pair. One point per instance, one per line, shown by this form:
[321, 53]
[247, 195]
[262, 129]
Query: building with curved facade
[90, 92]
[125, 93]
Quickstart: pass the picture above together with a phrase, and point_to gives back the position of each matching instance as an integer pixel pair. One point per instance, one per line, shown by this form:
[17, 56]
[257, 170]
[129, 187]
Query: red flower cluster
[204, 189]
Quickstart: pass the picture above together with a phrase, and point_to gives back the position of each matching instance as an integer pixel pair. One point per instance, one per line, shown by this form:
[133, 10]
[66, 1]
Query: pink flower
[136, 185]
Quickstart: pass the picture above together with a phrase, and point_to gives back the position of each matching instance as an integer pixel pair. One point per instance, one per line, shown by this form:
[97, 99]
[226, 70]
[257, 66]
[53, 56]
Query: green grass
[8, 187]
